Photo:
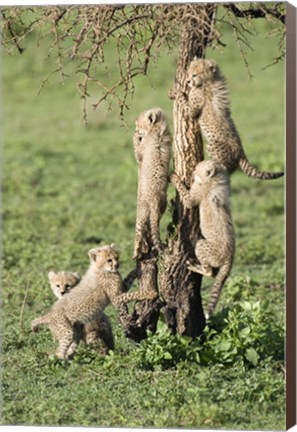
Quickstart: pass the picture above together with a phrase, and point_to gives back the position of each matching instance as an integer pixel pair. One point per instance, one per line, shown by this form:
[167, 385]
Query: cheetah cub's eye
[58, 286]
[109, 261]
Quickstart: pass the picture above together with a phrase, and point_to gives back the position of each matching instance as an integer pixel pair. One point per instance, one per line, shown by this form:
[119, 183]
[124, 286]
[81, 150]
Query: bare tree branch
[79, 34]
[258, 12]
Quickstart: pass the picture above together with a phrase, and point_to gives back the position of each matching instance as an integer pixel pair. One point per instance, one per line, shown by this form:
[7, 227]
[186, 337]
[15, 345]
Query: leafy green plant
[238, 288]
[249, 335]
[163, 350]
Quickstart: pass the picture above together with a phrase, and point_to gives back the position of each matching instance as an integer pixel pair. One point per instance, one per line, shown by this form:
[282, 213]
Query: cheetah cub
[101, 284]
[215, 250]
[152, 152]
[208, 100]
[97, 332]
[61, 282]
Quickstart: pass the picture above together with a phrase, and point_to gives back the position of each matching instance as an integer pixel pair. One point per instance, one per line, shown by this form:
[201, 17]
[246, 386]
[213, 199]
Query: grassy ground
[67, 188]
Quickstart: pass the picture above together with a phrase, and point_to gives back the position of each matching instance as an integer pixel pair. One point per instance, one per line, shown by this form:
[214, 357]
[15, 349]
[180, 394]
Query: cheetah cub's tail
[37, 322]
[220, 279]
[252, 171]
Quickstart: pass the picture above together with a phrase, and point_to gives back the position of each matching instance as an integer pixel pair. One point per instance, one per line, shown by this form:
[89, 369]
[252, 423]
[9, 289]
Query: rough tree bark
[179, 287]
[146, 313]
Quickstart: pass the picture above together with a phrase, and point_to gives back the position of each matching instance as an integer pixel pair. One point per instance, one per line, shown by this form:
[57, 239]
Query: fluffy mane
[220, 96]
[218, 194]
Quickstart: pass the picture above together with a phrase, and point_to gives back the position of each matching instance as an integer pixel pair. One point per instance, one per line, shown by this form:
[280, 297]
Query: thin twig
[80, 35]
[22, 310]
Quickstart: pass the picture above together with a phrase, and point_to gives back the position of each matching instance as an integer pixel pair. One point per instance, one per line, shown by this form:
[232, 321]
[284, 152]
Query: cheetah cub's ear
[92, 254]
[154, 115]
[212, 65]
[50, 275]
[77, 275]
[113, 246]
[210, 170]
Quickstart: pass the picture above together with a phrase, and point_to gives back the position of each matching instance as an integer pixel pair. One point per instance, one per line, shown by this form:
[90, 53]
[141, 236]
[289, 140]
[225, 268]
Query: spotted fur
[101, 284]
[97, 333]
[215, 250]
[207, 99]
[152, 152]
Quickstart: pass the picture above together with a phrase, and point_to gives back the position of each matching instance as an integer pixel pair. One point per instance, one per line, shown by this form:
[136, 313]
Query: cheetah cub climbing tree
[207, 100]
[202, 103]
[215, 249]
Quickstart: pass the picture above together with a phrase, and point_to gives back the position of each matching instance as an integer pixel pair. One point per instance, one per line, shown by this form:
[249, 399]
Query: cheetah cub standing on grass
[152, 152]
[215, 251]
[101, 284]
[97, 332]
[207, 99]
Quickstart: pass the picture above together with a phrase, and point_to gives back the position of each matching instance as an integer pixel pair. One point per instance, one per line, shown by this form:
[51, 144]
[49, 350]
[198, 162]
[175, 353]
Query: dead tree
[139, 33]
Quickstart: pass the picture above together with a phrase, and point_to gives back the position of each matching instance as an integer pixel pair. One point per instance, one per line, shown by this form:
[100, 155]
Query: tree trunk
[179, 287]
[146, 313]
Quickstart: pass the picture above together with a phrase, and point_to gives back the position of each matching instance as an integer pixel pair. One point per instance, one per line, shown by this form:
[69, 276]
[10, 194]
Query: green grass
[67, 188]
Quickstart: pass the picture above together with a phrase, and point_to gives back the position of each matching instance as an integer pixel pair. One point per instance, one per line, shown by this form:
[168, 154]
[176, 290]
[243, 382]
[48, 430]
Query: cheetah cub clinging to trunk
[207, 99]
[152, 152]
[215, 250]
[97, 333]
[101, 284]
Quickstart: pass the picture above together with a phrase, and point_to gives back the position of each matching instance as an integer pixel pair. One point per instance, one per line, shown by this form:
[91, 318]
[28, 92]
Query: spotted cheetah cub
[207, 99]
[152, 152]
[215, 250]
[101, 284]
[97, 333]
[61, 282]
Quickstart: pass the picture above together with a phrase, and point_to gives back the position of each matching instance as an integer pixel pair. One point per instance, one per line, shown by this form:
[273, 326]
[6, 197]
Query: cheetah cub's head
[148, 122]
[62, 282]
[105, 258]
[201, 71]
[206, 170]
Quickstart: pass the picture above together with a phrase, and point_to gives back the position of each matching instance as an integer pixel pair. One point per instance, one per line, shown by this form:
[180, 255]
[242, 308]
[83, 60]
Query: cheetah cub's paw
[172, 93]
[152, 295]
[197, 268]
